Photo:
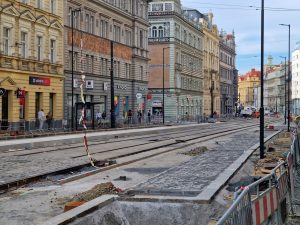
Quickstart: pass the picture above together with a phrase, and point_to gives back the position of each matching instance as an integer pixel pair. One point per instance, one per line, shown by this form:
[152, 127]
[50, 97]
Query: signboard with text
[39, 81]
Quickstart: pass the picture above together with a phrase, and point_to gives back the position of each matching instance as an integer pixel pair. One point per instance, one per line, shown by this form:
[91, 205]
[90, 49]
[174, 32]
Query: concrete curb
[80, 211]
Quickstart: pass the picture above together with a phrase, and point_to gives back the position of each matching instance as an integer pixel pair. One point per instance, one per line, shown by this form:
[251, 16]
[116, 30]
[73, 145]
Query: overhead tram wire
[244, 7]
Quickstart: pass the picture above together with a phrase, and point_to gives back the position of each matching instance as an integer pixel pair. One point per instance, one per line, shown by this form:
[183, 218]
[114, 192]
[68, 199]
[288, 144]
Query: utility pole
[289, 73]
[212, 95]
[112, 87]
[262, 114]
[284, 88]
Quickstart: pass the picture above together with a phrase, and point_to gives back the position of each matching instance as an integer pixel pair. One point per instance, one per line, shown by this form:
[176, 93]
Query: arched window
[154, 32]
[160, 31]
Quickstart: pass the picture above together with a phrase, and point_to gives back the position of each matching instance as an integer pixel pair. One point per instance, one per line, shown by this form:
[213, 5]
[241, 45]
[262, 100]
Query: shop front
[22, 96]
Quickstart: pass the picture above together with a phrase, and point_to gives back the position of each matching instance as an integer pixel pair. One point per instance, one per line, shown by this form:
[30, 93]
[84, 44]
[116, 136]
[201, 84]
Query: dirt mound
[97, 191]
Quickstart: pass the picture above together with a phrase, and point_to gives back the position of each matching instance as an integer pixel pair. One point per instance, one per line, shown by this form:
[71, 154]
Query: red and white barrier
[264, 206]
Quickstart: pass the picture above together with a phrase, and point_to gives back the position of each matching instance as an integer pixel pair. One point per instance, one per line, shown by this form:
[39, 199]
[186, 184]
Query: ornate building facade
[98, 24]
[228, 73]
[211, 51]
[176, 53]
[247, 85]
[31, 61]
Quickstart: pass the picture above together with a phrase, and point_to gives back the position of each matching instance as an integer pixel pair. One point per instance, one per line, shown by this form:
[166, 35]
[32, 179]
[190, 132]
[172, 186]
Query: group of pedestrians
[42, 118]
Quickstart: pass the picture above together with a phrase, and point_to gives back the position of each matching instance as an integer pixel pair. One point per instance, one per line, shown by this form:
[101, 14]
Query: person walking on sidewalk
[49, 119]
[41, 118]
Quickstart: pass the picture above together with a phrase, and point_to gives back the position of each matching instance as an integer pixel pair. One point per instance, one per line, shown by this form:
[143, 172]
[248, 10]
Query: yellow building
[211, 89]
[247, 84]
[31, 61]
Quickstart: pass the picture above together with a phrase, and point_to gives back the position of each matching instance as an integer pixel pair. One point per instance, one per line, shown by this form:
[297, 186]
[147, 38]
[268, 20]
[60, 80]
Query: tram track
[172, 144]
[146, 138]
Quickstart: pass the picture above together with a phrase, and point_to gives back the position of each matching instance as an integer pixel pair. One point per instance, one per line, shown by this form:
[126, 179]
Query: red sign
[20, 93]
[39, 81]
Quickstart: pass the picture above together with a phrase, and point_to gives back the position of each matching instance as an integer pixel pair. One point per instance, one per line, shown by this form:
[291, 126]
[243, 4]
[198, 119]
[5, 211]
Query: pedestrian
[98, 117]
[104, 115]
[41, 118]
[149, 116]
[129, 116]
[49, 119]
[140, 116]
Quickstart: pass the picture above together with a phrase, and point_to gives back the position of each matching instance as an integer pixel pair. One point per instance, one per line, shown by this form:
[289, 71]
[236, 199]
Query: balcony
[159, 39]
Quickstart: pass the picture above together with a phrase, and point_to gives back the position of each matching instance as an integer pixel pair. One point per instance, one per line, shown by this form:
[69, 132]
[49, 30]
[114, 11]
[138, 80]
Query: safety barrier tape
[82, 119]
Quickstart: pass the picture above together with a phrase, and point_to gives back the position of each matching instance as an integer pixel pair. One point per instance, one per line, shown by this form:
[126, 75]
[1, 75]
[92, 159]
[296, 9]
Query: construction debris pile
[196, 151]
[276, 152]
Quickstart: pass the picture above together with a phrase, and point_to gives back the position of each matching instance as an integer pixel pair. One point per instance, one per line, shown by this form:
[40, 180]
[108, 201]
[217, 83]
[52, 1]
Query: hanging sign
[2, 91]
[139, 95]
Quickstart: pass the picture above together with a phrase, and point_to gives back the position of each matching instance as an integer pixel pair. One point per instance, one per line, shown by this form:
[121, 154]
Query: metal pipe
[112, 87]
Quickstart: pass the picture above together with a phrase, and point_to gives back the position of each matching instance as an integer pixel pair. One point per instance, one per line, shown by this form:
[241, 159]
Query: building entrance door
[4, 119]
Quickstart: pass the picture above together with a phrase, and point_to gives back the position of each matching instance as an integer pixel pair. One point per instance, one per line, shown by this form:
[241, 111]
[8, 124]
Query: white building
[296, 79]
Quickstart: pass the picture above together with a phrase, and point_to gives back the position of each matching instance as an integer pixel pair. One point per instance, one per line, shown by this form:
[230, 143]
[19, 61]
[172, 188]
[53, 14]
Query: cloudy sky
[241, 16]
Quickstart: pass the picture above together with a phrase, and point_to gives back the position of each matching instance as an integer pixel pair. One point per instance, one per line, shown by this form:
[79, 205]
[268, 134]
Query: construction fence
[265, 202]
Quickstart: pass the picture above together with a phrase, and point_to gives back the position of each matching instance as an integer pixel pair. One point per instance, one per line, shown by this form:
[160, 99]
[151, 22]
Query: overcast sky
[245, 20]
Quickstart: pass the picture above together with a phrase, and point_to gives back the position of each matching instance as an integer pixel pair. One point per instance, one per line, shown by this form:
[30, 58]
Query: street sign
[2, 91]
[139, 95]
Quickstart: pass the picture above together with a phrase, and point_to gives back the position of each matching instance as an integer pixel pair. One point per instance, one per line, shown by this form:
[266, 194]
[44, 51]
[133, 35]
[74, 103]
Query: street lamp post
[212, 95]
[73, 13]
[289, 71]
[261, 146]
[284, 57]
[164, 84]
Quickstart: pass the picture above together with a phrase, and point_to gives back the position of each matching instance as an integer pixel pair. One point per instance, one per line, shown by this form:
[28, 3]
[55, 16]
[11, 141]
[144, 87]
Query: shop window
[37, 103]
[51, 102]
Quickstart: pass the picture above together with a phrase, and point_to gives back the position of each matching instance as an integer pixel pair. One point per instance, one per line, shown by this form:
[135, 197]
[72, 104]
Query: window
[92, 64]
[24, 47]
[117, 33]
[39, 49]
[87, 63]
[92, 25]
[128, 37]
[24, 1]
[70, 16]
[168, 7]
[154, 32]
[52, 51]
[39, 4]
[103, 28]
[87, 23]
[142, 72]
[157, 7]
[6, 40]
[141, 39]
[53, 6]
[160, 31]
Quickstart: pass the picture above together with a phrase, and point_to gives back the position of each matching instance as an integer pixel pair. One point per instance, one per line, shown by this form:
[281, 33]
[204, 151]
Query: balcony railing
[29, 64]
